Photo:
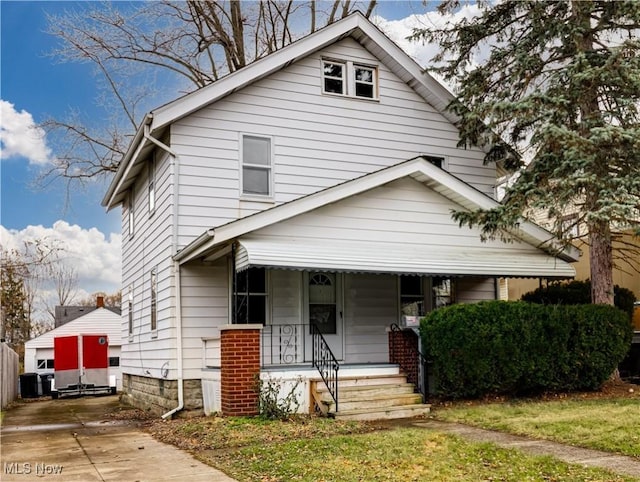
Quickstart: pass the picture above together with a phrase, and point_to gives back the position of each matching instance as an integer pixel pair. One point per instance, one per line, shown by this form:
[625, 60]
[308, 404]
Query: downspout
[174, 168]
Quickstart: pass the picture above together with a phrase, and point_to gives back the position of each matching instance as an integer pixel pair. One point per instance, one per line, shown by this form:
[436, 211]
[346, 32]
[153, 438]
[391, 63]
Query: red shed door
[95, 360]
[95, 351]
[66, 361]
[65, 353]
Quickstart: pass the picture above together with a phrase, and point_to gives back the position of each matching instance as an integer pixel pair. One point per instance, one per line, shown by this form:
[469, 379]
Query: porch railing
[283, 344]
[416, 367]
[325, 361]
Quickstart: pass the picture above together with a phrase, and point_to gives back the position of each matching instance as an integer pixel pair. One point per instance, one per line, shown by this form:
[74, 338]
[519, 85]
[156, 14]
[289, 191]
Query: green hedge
[518, 348]
[578, 293]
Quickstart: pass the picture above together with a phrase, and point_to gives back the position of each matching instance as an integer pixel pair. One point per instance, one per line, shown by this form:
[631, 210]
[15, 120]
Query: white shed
[38, 352]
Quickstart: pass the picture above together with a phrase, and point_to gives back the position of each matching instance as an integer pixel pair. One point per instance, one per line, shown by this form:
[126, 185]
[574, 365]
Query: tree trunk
[601, 260]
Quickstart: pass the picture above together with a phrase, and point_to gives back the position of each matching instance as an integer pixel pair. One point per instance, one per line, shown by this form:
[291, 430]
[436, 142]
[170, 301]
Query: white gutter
[175, 172]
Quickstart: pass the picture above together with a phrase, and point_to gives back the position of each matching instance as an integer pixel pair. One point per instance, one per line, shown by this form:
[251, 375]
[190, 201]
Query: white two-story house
[303, 201]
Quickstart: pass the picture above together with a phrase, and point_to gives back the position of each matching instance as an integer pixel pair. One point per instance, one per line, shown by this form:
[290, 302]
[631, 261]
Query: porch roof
[383, 257]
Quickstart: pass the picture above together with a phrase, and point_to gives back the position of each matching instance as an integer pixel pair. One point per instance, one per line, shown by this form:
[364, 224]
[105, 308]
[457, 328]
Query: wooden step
[379, 402]
[364, 380]
[366, 391]
[400, 411]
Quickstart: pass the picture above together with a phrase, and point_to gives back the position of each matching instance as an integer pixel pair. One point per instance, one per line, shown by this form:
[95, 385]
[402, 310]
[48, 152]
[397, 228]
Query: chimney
[99, 301]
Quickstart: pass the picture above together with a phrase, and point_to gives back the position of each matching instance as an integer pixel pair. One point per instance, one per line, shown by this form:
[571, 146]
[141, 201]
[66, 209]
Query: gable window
[411, 295]
[435, 160]
[154, 299]
[152, 187]
[256, 165]
[364, 81]
[349, 79]
[131, 208]
[322, 302]
[130, 310]
[333, 75]
[250, 296]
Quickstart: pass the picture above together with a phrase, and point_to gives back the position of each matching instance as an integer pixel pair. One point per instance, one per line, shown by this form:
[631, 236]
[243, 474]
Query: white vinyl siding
[149, 248]
[318, 140]
[205, 308]
[401, 213]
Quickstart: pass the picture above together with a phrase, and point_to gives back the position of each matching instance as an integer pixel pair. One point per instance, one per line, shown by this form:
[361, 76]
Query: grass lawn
[315, 449]
[610, 424]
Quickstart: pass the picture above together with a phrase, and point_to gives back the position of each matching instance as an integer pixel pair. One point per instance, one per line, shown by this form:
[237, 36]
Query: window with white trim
[257, 169]
[154, 299]
[349, 79]
[334, 77]
[152, 186]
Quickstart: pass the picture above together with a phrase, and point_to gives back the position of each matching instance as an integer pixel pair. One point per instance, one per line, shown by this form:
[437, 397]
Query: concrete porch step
[387, 413]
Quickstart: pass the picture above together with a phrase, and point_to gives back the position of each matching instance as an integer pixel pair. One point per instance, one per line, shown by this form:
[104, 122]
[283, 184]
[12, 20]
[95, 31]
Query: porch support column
[239, 369]
[403, 347]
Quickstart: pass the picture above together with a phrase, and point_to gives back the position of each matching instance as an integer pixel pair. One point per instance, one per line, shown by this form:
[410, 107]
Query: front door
[323, 307]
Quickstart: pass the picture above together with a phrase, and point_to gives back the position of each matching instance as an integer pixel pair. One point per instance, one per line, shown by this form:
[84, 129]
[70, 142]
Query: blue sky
[34, 82]
[34, 87]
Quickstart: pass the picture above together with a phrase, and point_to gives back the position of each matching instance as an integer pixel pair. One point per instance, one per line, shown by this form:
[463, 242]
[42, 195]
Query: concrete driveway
[73, 439]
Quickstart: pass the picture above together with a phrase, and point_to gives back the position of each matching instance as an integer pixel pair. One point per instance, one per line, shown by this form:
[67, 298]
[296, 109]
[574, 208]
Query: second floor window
[257, 170]
[349, 79]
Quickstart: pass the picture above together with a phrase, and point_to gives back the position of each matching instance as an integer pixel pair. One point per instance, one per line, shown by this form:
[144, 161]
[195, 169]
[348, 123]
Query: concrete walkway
[74, 440]
[619, 464]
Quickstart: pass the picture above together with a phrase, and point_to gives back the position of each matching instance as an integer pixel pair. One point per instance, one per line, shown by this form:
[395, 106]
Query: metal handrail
[419, 377]
[325, 361]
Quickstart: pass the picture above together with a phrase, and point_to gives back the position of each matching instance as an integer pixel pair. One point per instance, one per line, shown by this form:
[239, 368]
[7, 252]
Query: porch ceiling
[382, 257]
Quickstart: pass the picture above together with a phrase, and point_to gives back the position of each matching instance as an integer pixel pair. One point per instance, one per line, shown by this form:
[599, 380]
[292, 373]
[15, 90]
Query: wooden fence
[8, 375]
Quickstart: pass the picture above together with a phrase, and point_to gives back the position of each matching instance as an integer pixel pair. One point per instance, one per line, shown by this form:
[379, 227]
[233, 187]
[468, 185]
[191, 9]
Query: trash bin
[29, 385]
[45, 381]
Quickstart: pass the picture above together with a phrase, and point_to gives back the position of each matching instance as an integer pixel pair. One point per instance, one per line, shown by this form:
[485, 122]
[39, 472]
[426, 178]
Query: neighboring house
[67, 313]
[307, 194]
[38, 352]
[625, 274]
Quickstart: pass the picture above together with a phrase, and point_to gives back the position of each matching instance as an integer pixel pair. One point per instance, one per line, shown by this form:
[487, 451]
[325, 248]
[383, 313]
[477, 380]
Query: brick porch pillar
[403, 347]
[239, 369]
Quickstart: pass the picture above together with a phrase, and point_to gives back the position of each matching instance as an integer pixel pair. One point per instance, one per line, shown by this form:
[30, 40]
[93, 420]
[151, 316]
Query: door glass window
[322, 302]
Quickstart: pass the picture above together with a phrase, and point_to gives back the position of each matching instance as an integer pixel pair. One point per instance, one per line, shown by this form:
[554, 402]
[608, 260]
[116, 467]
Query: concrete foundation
[158, 396]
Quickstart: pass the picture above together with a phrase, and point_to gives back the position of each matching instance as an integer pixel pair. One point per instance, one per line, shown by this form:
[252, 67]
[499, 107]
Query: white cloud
[95, 258]
[20, 137]
[423, 52]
